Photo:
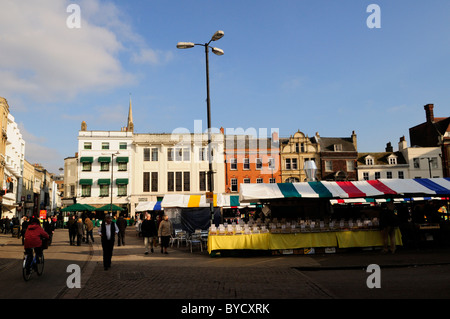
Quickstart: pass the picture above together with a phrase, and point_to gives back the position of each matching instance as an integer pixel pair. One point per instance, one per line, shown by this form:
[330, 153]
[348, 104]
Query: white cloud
[43, 58]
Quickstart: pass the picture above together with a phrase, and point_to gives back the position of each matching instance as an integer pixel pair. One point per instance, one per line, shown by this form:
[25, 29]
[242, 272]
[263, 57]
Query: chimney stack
[389, 147]
[429, 112]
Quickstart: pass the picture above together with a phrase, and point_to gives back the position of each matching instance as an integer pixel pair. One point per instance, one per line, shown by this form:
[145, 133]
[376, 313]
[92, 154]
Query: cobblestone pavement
[185, 275]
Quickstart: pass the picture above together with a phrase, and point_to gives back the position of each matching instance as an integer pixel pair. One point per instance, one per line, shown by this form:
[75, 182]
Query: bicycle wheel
[40, 265]
[26, 274]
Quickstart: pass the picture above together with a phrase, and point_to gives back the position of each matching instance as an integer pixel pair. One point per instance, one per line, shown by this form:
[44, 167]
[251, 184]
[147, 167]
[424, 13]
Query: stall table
[279, 241]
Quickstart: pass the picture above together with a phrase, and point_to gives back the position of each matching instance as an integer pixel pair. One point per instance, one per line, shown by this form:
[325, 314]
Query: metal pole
[208, 105]
[112, 178]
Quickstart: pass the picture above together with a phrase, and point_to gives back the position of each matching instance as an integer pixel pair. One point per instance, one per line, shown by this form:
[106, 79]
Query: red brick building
[251, 160]
[434, 132]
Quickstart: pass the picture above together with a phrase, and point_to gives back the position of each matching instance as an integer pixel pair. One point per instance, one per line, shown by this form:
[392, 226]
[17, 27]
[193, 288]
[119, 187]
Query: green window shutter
[104, 159]
[122, 181]
[104, 181]
[122, 159]
[85, 181]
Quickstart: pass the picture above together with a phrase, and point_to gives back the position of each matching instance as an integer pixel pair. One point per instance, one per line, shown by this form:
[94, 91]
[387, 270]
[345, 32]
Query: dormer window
[392, 160]
[369, 161]
[338, 147]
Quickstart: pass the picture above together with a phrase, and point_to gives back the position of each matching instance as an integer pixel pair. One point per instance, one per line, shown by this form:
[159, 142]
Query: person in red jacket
[33, 240]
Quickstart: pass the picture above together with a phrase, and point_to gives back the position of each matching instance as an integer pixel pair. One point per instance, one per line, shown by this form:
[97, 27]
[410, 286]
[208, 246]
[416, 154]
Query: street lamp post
[187, 45]
[429, 164]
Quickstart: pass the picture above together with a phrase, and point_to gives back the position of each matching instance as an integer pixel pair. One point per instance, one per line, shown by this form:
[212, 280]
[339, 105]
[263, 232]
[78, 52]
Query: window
[233, 163]
[178, 154]
[146, 154]
[377, 175]
[105, 145]
[366, 176]
[246, 163]
[122, 190]
[287, 164]
[259, 180]
[170, 154]
[87, 145]
[186, 154]
[186, 181]
[123, 145]
[389, 175]
[122, 166]
[170, 181]
[87, 167]
[369, 161]
[202, 181]
[416, 162]
[392, 161]
[401, 175]
[154, 181]
[434, 162]
[338, 147]
[178, 181]
[234, 185]
[154, 154]
[146, 182]
[85, 190]
[294, 163]
[201, 154]
[299, 147]
[272, 181]
[104, 166]
[350, 166]
[104, 190]
[271, 163]
[258, 163]
[328, 166]
[246, 180]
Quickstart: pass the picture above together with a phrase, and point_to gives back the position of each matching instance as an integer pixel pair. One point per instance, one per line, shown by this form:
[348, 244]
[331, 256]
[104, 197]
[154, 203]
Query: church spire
[130, 125]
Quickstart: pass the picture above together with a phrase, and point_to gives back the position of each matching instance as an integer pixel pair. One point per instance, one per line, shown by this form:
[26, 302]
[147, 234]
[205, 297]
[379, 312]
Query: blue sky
[312, 66]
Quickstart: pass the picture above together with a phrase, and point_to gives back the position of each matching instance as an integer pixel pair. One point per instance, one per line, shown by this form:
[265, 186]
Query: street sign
[209, 197]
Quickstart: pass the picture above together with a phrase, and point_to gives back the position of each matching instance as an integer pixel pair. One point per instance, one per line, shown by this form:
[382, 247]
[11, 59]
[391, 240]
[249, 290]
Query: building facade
[376, 165]
[104, 169]
[338, 156]
[435, 132]
[13, 169]
[294, 152]
[251, 160]
[174, 164]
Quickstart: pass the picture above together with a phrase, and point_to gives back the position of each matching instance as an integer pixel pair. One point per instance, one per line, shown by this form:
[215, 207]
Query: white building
[14, 165]
[104, 169]
[376, 165]
[424, 162]
[175, 164]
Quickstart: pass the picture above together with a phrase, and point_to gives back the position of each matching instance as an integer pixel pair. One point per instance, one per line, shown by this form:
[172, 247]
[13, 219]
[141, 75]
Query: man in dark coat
[72, 226]
[107, 232]
[122, 225]
[149, 232]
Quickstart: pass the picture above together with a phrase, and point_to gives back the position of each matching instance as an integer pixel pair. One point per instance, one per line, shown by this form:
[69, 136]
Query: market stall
[304, 214]
[191, 212]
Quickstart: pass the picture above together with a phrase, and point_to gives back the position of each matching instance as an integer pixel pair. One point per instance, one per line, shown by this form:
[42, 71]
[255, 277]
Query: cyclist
[33, 240]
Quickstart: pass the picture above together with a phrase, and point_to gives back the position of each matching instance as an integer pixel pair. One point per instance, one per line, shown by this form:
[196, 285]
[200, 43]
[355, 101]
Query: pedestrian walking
[80, 231]
[49, 227]
[122, 225]
[389, 221]
[89, 229]
[23, 228]
[71, 225]
[165, 230]
[107, 232]
[149, 232]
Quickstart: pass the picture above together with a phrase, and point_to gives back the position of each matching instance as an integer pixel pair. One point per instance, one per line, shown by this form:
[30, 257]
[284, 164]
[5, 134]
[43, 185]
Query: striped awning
[145, 206]
[186, 201]
[355, 189]
[232, 201]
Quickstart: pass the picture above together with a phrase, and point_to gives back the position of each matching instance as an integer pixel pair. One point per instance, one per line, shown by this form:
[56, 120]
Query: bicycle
[37, 264]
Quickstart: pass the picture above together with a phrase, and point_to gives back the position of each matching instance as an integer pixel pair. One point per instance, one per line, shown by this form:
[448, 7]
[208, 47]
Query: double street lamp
[187, 45]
